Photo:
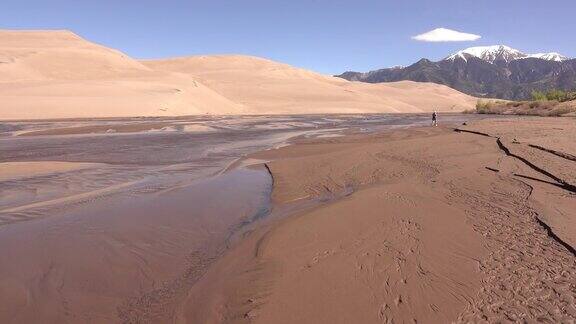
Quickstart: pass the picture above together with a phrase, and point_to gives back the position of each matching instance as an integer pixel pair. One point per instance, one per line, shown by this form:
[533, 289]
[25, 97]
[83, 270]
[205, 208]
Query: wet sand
[126, 260]
[423, 225]
[116, 226]
[144, 155]
[369, 220]
[16, 170]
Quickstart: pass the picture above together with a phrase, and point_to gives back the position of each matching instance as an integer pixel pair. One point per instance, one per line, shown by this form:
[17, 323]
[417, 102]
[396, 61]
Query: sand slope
[269, 87]
[57, 74]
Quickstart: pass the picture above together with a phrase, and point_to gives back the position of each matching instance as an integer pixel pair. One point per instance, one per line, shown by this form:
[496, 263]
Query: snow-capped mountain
[552, 56]
[502, 53]
[485, 71]
[489, 53]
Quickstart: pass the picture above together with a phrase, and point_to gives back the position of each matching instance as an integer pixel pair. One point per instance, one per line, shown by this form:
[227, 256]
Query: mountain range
[495, 71]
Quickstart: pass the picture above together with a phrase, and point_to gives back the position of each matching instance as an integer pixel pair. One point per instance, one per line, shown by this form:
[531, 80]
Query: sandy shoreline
[420, 225]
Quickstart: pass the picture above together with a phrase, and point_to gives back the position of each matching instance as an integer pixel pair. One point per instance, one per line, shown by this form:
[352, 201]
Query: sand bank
[422, 225]
[16, 170]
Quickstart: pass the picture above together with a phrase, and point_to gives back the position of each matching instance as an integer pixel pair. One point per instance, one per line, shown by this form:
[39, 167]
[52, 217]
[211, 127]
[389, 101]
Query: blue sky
[324, 36]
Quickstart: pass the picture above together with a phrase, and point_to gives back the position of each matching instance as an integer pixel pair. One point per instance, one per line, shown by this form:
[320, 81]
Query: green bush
[483, 107]
[554, 94]
[547, 107]
[538, 95]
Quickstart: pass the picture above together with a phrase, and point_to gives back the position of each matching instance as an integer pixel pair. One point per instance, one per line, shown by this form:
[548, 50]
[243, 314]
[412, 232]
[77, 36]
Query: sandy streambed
[128, 259]
[434, 226]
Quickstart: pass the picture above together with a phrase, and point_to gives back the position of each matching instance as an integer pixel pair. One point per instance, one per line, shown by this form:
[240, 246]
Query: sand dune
[268, 87]
[58, 74]
[60, 55]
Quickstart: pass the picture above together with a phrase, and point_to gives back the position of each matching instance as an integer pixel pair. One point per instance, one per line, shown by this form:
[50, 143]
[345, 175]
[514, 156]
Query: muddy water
[123, 238]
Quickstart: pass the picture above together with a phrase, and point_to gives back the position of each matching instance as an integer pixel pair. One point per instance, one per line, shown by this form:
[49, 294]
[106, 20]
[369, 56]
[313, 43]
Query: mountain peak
[489, 53]
[552, 56]
[424, 61]
[504, 53]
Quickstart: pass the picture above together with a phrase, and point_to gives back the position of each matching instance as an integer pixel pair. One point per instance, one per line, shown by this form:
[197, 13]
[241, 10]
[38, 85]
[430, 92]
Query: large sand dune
[269, 87]
[57, 74]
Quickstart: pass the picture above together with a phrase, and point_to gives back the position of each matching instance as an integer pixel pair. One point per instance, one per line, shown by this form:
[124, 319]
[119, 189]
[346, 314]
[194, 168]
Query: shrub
[553, 94]
[483, 107]
[538, 95]
[557, 95]
[548, 107]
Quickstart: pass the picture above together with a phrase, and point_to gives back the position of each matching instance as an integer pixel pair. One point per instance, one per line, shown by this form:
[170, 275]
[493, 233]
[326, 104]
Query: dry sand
[268, 87]
[57, 74]
[424, 225]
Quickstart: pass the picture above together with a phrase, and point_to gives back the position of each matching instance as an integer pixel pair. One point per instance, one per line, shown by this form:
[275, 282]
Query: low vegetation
[554, 95]
[552, 103]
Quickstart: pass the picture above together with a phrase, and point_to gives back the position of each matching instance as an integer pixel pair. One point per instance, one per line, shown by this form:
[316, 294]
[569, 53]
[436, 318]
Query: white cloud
[445, 35]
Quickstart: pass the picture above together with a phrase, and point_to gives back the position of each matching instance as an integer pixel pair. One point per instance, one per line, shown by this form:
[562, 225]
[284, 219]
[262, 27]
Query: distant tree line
[554, 95]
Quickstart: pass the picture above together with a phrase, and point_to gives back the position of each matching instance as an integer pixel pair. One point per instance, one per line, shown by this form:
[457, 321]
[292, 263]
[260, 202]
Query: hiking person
[434, 118]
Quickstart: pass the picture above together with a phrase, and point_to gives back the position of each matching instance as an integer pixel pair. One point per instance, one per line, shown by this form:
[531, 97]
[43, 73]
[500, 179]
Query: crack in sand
[530, 274]
[560, 183]
[564, 184]
[563, 155]
[527, 275]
